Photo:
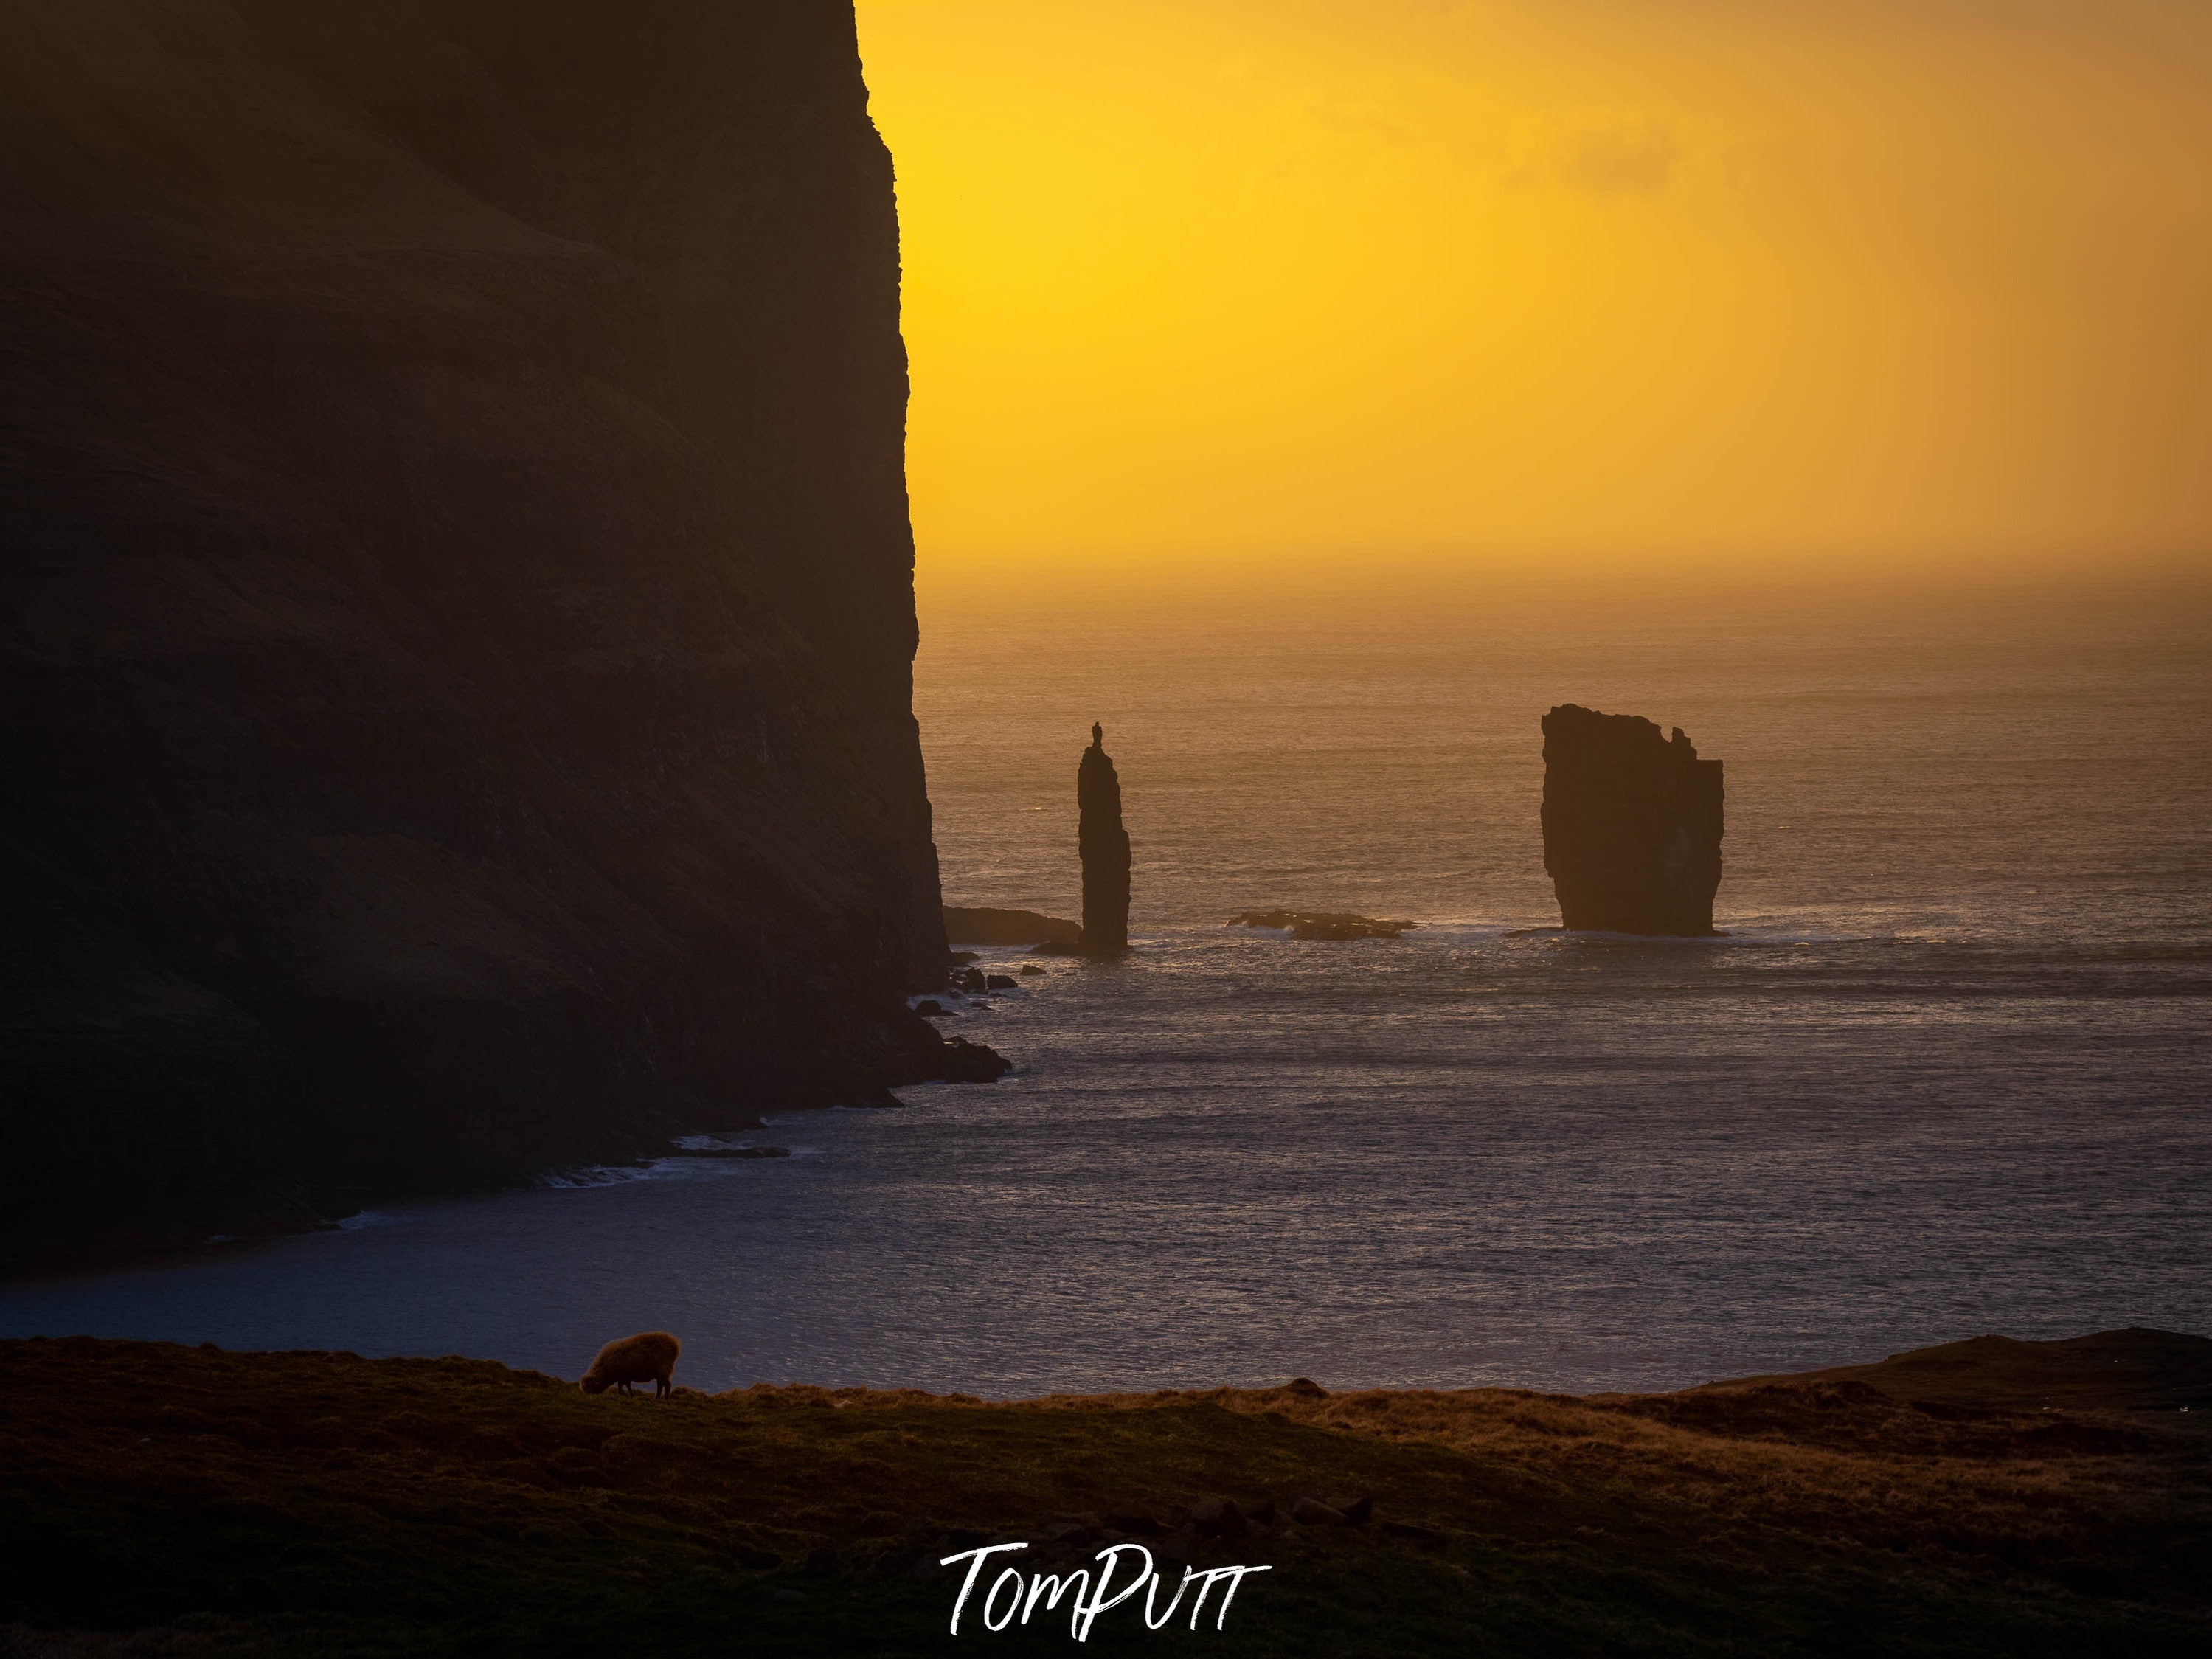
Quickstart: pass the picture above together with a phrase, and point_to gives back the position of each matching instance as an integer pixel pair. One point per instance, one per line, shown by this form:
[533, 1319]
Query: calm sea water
[1947, 1074]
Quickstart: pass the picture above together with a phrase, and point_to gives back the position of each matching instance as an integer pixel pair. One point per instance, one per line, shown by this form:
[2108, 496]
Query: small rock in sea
[1028, 968]
[1312, 1512]
[961, 958]
[1324, 924]
[931, 1008]
[973, 979]
[1000, 982]
[1307, 1387]
[1359, 1509]
[979, 925]
[972, 1062]
[1263, 1515]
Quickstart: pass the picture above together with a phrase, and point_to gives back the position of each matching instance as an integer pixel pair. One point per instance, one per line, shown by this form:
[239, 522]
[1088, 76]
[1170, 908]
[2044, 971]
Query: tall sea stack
[1105, 853]
[1632, 824]
[455, 707]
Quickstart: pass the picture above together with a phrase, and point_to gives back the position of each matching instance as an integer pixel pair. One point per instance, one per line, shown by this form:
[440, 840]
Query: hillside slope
[172, 1501]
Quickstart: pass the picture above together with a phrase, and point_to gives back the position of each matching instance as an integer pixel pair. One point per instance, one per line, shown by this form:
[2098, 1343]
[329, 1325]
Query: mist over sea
[1946, 1075]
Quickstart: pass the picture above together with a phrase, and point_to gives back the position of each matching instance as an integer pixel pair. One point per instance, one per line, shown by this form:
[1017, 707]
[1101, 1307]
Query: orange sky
[1692, 284]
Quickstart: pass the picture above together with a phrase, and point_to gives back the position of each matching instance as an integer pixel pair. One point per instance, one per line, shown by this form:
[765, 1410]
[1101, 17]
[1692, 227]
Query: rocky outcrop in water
[981, 925]
[1324, 924]
[1632, 824]
[1105, 848]
[455, 697]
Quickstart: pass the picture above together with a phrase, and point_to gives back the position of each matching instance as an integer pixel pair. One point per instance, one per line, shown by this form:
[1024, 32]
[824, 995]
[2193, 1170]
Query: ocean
[1945, 1074]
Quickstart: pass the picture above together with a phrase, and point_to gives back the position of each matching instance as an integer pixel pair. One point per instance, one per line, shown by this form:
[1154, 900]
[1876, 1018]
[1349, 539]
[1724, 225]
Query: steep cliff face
[1632, 824]
[457, 594]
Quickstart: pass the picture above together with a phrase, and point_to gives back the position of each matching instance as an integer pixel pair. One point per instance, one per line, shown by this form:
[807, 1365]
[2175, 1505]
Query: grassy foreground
[1989, 1498]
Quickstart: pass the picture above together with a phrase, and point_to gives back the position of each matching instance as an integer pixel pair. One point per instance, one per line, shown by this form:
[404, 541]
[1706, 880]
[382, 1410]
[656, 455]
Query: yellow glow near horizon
[1705, 283]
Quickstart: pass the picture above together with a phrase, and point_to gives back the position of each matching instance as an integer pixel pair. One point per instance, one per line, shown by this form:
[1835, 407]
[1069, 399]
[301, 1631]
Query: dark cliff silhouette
[458, 705]
[1632, 824]
[1105, 846]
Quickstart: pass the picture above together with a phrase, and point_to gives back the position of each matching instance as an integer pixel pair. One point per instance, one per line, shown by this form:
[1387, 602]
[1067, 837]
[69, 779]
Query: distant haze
[1717, 283]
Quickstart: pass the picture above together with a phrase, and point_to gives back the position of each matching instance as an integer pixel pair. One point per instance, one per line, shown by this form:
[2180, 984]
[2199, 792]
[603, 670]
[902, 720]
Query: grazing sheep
[649, 1356]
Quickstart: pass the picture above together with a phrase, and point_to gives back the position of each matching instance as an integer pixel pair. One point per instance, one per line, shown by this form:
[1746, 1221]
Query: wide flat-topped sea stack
[1632, 824]
[1105, 848]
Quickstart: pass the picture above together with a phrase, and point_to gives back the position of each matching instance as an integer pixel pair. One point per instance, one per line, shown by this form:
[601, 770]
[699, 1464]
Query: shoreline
[313, 1210]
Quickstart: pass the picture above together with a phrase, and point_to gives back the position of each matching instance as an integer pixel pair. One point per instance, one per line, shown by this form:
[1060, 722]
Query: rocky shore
[1991, 1497]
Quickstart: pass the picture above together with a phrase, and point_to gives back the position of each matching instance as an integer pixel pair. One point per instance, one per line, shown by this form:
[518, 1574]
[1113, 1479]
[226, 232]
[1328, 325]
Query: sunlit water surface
[1946, 1075]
